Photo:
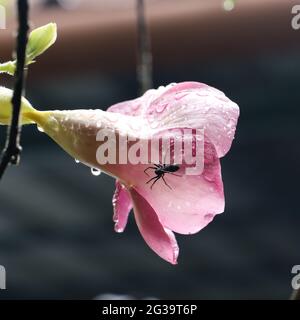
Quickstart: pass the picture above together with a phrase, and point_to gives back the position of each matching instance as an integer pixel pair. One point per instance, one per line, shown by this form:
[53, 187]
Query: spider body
[160, 170]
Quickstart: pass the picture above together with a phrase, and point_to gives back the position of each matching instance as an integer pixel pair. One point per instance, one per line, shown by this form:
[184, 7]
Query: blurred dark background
[56, 230]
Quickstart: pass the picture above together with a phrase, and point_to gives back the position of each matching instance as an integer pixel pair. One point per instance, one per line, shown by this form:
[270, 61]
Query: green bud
[228, 5]
[40, 40]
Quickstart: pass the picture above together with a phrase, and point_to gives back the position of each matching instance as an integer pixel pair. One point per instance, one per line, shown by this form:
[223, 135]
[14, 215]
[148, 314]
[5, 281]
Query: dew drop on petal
[136, 106]
[208, 217]
[151, 119]
[180, 95]
[161, 107]
[95, 172]
[154, 125]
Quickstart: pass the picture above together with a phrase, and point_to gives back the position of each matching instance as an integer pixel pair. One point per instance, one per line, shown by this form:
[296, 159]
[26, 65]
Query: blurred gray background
[56, 230]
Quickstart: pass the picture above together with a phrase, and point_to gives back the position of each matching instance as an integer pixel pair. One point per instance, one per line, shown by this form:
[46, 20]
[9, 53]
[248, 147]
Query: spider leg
[165, 182]
[157, 178]
[148, 169]
[152, 179]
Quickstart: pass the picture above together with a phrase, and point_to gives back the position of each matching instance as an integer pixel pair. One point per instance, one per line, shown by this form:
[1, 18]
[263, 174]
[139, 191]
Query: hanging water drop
[118, 229]
[95, 172]
[77, 161]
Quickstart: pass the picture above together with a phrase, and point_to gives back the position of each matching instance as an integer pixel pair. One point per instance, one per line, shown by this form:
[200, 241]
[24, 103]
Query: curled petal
[138, 106]
[161, 240]
[122, 205]
[187, 105]
[130, 107]
[197, 105]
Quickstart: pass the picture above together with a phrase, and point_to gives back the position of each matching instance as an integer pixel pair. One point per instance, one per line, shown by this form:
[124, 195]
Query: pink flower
[194, 199]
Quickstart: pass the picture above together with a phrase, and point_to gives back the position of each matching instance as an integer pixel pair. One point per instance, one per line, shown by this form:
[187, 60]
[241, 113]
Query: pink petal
[196, 105]
[192, 202]
[130, 107]
[161, 240]
[187, 105]
[122, 205]
[138, 106]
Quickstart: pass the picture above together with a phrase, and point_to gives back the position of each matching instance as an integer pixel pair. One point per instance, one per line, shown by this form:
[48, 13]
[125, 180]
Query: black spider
[160, 170]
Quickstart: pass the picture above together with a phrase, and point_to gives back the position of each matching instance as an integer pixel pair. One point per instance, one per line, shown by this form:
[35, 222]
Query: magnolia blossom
[192, 200]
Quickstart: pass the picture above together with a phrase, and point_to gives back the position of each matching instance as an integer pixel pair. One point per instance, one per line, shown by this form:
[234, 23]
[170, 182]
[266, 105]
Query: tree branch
[144, 65]
[11, 154]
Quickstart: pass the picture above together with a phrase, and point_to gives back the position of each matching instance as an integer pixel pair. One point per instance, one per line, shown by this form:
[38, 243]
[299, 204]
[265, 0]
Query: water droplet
[151, 119]
[40, 129]
[154, 125]
[208, 217]
[136, 106]
[180, 95]
[77, 161]
[161, 107]
[95, 172]
[118, 229]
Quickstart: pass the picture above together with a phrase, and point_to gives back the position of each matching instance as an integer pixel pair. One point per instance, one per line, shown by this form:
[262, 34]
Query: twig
[144, 65]
[11, 154]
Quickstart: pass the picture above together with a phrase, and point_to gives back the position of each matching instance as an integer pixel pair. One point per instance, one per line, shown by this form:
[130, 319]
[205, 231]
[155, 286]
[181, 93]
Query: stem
[144, 65]
[11, 154]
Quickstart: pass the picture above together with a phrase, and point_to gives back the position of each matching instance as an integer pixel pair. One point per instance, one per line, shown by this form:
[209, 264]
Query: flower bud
[40, 40]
